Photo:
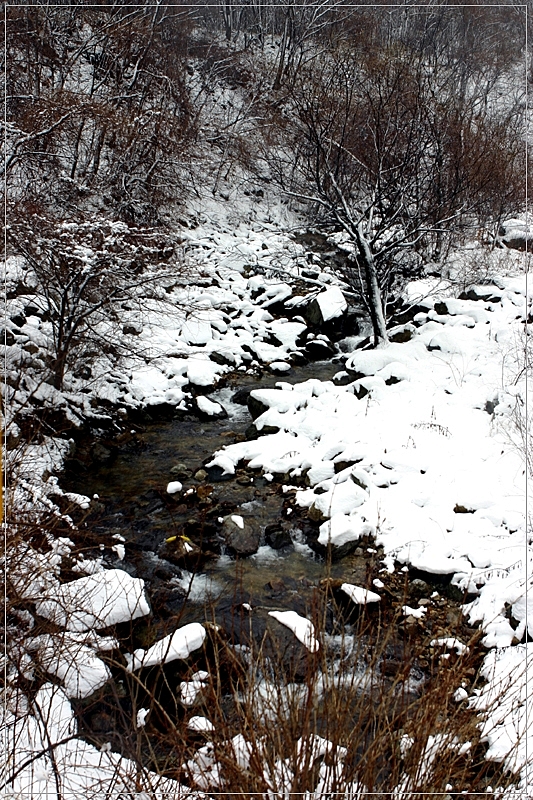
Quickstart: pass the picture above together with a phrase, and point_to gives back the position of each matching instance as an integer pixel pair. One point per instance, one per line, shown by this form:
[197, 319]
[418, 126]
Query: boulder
[319, 350]
[242, 534]
[325, 306]
[209, 409]
[256, 407]
[277, 536]
[240, 397]
[132, 329]
[515, 234]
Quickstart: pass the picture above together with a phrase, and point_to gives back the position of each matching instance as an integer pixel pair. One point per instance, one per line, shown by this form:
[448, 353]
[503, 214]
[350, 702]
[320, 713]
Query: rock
[180, 550]
[7, 337]
[314, 514]
[101, 722]
[242, 534]
[18, 320]
[403, 334]
[342, 378]
[518, 239]
[132, 329]
[241, 396]
[290, 659]
[327, 305]
[276, 585]
[180, 470]
[101, 454]
[279, 367]
[277, 536]
[487, 294]
[215, 474]
[13, 439]
[256, 407]
[319, 350]
[31, 348]
[419, 588]
[209, 409]
[200, 475]
[223, 357]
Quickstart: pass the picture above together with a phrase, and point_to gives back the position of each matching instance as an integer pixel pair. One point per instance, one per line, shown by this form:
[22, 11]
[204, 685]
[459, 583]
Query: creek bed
[376, 642]
[131, 494]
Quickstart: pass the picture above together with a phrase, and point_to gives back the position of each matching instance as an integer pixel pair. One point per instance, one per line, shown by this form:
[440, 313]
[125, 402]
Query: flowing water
[131, 493]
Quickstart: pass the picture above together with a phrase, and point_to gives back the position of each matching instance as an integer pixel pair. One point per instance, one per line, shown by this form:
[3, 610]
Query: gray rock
[518, 239]
[277, 536]
[180, 470]
[319, 350]
[133, 329]
[242, 540]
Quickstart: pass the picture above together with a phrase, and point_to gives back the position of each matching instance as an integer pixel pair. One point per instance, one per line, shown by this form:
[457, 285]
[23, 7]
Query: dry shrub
[374, 710]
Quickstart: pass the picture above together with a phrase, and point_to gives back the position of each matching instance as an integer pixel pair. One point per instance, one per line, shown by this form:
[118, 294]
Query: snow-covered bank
[435, 468]
[425, 450]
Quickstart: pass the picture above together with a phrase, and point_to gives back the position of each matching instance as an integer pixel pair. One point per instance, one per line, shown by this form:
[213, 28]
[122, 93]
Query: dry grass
[373, 710]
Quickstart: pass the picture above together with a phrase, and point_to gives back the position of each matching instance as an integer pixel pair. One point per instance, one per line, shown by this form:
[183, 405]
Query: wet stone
[180, 470]
[242, 534]
[215, 474]
[278, 536]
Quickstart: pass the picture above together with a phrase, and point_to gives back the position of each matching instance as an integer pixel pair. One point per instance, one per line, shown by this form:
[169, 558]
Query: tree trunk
[377, 317]
[58, 370]
[283, 47]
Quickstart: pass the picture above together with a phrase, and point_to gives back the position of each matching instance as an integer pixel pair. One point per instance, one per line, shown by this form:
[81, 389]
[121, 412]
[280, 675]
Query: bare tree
[97, 105]
[389, 152]
[87, 273]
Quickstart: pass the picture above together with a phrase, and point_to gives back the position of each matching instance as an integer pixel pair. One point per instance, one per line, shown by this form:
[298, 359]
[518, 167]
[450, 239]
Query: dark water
[133, 500]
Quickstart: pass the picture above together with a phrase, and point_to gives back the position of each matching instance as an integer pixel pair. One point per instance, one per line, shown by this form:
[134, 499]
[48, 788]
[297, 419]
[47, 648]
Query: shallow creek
[132, 497]
[213, 585]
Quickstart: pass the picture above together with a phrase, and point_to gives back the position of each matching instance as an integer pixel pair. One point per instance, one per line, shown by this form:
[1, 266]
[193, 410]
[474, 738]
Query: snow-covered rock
[96, 601]
[179, 644]
[303, 629]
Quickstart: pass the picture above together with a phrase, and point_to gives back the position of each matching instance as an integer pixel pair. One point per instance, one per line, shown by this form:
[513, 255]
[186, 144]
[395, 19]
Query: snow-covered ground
[433, 430]
[435, 434]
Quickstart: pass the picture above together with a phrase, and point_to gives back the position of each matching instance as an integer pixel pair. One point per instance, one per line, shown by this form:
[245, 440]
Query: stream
[132, 502]
[176, 543]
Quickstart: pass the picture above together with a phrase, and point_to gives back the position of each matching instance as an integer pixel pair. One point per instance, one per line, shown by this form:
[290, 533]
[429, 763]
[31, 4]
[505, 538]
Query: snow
[507, 703]
[179, 644]
[416, 613]
[200, 725]
[332, 303]
[49, 762]
[359, 595]
[450, 643]
[207, 406]
[96, 601]
[439, 483]
[73, 662]
[191, 691]
[303, 629]
[279, 366]
[142, 713]
[174, 487]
